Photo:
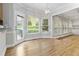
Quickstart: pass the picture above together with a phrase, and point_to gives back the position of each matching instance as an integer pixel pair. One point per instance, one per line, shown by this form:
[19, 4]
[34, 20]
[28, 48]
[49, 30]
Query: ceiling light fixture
[47, 9]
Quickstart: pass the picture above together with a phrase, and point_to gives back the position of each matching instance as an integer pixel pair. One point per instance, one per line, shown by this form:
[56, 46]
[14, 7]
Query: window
[20, 22]
[19, 27]
[33, 24]
[45, 25]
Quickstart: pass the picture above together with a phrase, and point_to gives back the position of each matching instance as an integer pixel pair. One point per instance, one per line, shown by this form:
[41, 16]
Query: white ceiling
[43, 6]
[72, 14]
[67, 10]
[53, 7]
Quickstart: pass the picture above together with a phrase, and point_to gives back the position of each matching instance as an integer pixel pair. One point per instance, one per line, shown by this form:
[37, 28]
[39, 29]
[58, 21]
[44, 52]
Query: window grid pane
[33, 24]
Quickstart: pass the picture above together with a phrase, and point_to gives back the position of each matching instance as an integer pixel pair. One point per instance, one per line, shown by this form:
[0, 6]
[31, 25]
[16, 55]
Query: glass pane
[45, 22]
[45, 28]
[33, 24]
[45, 25]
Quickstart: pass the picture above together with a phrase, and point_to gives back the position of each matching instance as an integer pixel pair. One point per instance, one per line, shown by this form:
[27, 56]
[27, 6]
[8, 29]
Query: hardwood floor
[68, 46]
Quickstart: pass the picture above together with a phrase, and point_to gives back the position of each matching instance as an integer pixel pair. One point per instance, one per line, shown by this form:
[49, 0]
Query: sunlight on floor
[20, 51]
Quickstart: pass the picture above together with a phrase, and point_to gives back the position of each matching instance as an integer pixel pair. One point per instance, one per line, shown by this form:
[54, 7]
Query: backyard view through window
[45, 25]
[33, 24]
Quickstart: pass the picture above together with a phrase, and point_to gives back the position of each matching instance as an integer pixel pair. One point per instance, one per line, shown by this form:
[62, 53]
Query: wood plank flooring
[68, 46]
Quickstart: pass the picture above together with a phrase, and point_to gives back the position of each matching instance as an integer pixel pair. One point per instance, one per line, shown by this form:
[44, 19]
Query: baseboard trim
[9, 46]
[63, 35]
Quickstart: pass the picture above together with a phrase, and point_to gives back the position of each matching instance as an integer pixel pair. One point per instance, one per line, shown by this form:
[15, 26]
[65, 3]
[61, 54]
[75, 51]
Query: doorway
[19, 27]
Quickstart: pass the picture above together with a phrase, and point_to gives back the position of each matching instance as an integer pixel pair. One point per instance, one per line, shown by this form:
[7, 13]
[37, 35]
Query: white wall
[2, 42]
[61, 26]
[10, 12]
[75, 25]
[65, 9]
[10, 21]
[27, 12]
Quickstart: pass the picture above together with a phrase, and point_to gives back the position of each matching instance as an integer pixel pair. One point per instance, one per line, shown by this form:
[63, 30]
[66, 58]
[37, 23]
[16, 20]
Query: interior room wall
[40, 17]
[8, 12]
[61, 26]
[2, 42]
[73, 17]
[75, 28]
